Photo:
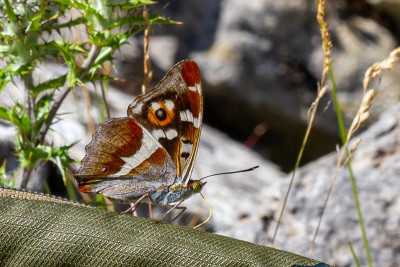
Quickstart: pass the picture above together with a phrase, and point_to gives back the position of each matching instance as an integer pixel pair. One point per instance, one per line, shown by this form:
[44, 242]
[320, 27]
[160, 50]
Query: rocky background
[261, 61]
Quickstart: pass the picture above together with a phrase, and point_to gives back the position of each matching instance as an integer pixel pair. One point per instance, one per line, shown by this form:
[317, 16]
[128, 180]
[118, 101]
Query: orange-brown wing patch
[124, 162]
[191, 73]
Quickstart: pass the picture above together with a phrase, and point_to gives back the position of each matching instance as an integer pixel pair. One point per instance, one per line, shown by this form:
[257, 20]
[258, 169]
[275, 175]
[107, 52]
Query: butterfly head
[196, 186]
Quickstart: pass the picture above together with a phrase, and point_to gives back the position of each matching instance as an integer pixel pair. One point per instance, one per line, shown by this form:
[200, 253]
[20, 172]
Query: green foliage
[35, 31]
[4, 180]
[100, 202]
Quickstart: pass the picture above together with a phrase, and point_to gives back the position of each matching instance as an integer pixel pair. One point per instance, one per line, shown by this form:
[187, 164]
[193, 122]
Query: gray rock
[237, 197]
[272, 70]
[376, 166]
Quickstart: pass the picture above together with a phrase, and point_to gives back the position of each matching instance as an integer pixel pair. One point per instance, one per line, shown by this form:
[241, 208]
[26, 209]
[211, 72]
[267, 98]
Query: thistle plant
[37, 31]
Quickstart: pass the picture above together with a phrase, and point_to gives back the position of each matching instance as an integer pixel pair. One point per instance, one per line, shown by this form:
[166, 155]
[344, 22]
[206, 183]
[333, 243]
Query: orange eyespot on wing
[161, 113]
[172, 113]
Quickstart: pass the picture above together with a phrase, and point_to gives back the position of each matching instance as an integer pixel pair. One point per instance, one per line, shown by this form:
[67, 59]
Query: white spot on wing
[196, 122]
[138, 108]
[183, 116]
[198, 87]
[186, 147]
[192, 88]
[169, 104]
[169, 134]
[187, 115]
[158, 133]
[155, 106]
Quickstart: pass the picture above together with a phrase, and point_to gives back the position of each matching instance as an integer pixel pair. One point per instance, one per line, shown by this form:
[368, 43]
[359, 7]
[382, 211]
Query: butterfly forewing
[172, 113]
[124, 162]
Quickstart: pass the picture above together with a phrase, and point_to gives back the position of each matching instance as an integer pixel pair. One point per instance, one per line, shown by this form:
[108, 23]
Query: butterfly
[148, 156]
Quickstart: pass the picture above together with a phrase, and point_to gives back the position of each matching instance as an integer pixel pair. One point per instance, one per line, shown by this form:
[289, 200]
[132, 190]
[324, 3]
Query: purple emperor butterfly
[149, 155]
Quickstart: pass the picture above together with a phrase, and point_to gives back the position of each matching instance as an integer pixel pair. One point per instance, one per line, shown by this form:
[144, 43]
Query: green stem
[28, 85]
[25, 173]
[349, 167]
[356, 260]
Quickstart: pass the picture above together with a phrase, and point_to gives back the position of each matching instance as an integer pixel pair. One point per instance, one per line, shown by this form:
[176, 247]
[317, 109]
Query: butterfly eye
[104, 169]
[161, 114]
[197, 186]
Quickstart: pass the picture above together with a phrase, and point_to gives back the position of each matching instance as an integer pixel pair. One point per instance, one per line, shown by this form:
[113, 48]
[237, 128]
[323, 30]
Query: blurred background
[261, 62]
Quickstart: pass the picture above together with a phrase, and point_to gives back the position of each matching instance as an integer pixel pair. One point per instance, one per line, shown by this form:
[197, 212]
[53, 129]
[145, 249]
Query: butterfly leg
[173, 208]
[134, 206]
[180, 213]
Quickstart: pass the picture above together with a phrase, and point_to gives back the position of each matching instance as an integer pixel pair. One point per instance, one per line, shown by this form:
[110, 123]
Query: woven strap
[40, 230]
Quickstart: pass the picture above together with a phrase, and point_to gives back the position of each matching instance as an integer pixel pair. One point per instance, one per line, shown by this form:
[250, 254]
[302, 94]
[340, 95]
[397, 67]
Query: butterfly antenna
[232, 172]
[205, 200]
[209, 214]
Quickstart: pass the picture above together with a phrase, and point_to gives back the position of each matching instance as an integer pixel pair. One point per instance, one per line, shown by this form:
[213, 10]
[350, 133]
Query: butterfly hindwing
[172, 113]
[124, 162]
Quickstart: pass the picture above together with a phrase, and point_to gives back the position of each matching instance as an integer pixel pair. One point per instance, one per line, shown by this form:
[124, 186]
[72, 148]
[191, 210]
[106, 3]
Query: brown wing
[124, 162]
[173, 112]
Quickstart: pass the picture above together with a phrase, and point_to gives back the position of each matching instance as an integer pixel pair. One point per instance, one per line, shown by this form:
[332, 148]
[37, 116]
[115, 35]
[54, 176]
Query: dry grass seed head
[362, 113]
[326, 38]
[377, 67]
